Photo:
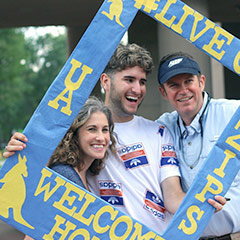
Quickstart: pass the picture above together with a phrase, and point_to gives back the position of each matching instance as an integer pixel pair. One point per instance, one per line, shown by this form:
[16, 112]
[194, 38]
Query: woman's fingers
[19, 136]
[16, 143]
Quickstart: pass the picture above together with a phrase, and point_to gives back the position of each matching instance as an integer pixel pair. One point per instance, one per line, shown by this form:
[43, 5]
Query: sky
[39, 31]
[55, 31]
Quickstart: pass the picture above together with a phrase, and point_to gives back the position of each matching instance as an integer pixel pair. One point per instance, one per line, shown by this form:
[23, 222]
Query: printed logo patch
[169, 155]
[133, 155]
[111, 192]
[161, 130]
[154, 205]
[174, 62]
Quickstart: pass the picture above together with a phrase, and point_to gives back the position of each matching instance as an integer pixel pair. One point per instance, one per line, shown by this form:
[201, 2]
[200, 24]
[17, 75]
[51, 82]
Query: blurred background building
[76, 16]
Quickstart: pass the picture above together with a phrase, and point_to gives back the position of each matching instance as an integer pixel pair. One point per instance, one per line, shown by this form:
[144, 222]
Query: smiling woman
[84, 147]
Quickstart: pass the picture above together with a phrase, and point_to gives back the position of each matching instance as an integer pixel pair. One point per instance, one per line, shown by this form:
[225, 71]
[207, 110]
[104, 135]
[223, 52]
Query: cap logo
[174, 62]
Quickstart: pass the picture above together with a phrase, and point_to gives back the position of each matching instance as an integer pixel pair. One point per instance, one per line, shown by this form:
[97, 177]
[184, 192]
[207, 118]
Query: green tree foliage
[27, 68]
[50, 55]
[12, 49]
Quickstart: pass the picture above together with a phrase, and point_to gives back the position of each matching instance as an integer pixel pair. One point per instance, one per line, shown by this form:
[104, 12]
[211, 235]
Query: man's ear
[202, 82]
[105, 81]
[163, 92]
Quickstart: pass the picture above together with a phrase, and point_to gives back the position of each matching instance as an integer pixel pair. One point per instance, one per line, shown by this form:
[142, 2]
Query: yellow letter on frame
[70, 87]
[192, 229]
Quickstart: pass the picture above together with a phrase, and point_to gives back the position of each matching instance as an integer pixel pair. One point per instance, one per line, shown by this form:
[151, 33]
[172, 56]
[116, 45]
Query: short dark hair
[129, 55]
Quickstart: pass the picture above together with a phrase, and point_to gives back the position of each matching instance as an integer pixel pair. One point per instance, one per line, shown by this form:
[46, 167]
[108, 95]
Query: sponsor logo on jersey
[169, 155]
[154, 204]
[133, 155]
[161, 130]
[111, 192]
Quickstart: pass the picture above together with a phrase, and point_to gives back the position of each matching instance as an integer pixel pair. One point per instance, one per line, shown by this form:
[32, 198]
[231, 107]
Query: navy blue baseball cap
[175, 66]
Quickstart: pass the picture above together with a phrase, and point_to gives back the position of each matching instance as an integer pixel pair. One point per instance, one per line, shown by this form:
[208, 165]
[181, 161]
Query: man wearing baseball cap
[195, 125]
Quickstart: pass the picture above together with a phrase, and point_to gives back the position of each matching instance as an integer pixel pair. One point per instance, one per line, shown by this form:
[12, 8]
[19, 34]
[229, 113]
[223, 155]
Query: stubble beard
[115, 101]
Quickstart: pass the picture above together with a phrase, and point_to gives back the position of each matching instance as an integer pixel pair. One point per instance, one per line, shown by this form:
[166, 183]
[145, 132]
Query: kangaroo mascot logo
[14, 191]
[115, 10]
